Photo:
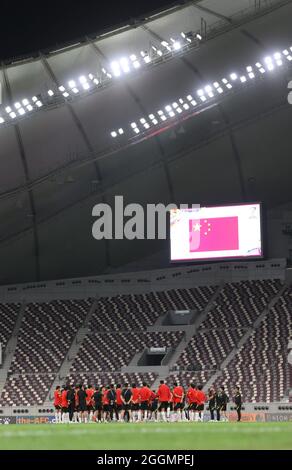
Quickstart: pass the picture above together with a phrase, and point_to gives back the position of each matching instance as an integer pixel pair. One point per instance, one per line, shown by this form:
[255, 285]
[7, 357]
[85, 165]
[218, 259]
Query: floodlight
[17, 105]
[72, 84]
[8, 109]
[40, 104]
[189, 97]
[114, 134]
[233, 76]
[50, 93]
[1, 120]
[179, 110]
[151, 116]
[243, 79]
[136, 64]
[142, 120]
[121, 131]
[25, 102]
[21, 111]
[176, 45]
[61, 88]
[198, 36]
[133, 57]
[66, 94]
[75, 90]
[163, 118]
[186, 106]
[168, 108]
[29, 107]
[136, 130]
[146, 125]
[155, 121]
[13, 115]
[133, 125]
[86, 86]
[194, 103]
[171, 113]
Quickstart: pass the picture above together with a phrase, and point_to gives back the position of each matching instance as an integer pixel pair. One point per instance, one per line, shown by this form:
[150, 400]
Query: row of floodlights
[134, 62]
[118, 67]
[85, 83]
[184, 105]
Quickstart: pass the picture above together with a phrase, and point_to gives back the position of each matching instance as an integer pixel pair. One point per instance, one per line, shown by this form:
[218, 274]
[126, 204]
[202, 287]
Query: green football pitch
[152, 436]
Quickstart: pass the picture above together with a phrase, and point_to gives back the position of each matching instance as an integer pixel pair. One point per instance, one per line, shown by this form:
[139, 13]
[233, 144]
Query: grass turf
[153, 436]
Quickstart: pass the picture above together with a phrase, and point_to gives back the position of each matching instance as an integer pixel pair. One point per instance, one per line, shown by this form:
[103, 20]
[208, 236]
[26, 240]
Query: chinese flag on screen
[216, 234]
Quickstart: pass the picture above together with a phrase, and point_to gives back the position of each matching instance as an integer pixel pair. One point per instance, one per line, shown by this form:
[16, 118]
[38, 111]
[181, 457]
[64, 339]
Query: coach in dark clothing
[82, 399]
[212, 402]
[71, 402]
[238, 403]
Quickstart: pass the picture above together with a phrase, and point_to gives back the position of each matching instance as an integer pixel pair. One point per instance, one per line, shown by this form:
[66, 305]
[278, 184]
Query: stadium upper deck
[58, 157]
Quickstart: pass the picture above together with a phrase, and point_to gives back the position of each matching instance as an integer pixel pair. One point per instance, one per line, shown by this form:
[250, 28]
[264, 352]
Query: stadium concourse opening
[123, 328]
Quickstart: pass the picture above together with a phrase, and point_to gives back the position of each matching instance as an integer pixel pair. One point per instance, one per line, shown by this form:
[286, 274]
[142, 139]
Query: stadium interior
[136, 111]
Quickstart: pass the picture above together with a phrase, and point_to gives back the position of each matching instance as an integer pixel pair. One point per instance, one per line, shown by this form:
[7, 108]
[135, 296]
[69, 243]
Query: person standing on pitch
[238, 403]
[164, 396]
[212, 402]
[71, 402]
[224, 401]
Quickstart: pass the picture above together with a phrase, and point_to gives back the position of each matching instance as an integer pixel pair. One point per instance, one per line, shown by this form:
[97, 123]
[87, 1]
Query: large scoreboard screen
[223, 232]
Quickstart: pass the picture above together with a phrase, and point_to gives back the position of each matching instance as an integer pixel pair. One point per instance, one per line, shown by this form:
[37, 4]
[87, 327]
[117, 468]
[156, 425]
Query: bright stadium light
[133, 125]
[114, 134]
[17, 105]
[115, 66]
[2, 120]
[125, 65]
[177, 45]
[50, 93]
[21, 111]
[121, 131]
[8, 109]
[233, 76]
[72, 84]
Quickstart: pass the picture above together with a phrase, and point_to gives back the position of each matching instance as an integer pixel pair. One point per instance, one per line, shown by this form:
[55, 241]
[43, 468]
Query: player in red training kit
[178, 400]
[164, 396]
[145, 396]
[135, 404]
[58, 404]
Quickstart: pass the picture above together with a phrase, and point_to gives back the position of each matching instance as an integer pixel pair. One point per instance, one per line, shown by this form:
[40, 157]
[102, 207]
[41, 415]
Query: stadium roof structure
[68, 138]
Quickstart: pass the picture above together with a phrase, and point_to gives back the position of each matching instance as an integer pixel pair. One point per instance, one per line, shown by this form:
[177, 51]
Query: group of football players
[85, 404]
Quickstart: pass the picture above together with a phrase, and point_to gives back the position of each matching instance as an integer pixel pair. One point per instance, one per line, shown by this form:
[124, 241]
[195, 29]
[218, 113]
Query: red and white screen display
[216, 232]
